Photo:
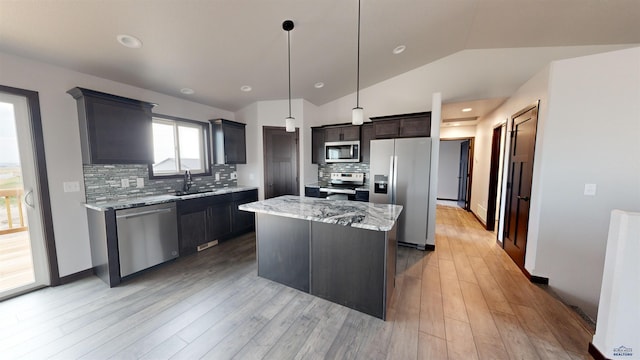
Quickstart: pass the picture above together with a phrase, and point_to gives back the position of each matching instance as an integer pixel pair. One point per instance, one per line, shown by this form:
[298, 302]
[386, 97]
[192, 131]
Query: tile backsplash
[104, 182]
[327, 169]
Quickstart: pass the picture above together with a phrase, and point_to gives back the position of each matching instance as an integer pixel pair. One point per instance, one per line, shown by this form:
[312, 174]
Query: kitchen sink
[184, 193]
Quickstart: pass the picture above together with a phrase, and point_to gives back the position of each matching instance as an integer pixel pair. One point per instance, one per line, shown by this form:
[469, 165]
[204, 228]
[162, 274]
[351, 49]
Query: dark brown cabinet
[243, 221]
[113, 129]
[398, 126]
[203, 220]
[317, 145]
[229, 145]
[342, 133]
[211, 218]
[366, 135]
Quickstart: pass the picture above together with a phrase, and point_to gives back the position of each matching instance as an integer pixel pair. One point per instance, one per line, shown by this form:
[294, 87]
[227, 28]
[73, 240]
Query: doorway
[495, 175]
[519, 180]
[281, 157]
[27, 250]
[455, 172]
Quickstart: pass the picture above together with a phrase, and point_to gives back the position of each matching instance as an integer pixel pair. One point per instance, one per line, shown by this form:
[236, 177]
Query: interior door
[463, 180]
[520, 173]
[280, 162]
[23, 257]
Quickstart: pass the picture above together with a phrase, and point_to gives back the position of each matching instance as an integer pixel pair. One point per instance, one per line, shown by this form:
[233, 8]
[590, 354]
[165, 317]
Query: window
[179, 145]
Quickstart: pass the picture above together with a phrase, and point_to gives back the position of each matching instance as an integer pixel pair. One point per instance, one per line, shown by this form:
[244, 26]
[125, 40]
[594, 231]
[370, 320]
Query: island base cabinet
[283, 256]
[348, 267]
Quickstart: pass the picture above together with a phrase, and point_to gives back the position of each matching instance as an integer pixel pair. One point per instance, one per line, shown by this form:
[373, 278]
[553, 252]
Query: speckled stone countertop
[159, 199]
[377, 217]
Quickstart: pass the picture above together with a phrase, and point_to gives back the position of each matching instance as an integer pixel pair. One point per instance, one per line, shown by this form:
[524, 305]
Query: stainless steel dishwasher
[147, 236]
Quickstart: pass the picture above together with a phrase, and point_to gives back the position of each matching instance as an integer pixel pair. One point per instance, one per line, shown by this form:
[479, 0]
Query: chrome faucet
[186, 185]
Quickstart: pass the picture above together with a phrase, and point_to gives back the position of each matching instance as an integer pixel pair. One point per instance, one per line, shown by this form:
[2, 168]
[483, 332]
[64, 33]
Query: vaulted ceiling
[217, 46]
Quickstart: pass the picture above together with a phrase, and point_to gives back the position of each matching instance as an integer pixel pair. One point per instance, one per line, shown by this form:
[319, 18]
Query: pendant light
[357, 114]
[287, 26]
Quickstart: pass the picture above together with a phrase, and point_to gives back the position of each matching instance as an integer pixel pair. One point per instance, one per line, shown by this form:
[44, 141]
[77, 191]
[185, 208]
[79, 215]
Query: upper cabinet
[342, 133]
[317, 145]
[113, 129]
[398, 126]
[367, 134]
[229, 142]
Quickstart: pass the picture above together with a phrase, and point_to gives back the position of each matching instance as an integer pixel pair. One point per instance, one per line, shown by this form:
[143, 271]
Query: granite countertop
[159, 199]
[370, 216]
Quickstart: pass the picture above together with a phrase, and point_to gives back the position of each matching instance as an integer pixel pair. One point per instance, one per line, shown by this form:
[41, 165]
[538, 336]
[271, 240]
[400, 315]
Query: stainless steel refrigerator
[399, 174]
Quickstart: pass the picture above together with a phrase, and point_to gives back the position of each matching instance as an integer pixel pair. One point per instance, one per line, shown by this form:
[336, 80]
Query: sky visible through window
[8, 136]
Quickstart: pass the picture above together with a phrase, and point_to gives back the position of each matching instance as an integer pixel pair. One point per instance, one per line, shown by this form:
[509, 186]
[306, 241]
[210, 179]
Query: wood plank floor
[466, 300]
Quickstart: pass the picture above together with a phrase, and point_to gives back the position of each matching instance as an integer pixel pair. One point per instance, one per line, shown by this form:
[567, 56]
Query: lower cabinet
[213, 218]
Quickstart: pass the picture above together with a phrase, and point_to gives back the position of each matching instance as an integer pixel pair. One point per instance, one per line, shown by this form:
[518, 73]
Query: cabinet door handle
[523, 198]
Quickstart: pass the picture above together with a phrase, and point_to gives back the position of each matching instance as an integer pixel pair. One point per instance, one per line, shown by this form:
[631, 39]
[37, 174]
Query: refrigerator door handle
[394, 185]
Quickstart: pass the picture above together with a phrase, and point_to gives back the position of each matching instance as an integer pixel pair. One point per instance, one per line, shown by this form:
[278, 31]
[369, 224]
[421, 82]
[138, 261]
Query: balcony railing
[13, 202]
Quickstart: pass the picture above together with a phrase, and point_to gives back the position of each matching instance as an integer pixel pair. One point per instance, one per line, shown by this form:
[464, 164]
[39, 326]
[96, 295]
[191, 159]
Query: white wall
[591, 136]
[449, 169]
[62, 142]
[273, 113]
[457, 132]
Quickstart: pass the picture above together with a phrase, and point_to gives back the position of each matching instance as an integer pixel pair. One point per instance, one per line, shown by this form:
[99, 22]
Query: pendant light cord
[289, 61]
[358, 65]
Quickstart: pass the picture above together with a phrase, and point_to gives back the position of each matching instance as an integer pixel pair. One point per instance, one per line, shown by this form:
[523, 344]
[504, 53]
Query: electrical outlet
[124, 183]
[217, 176]
[71, 186]
[590, 189]
[140, 182]
[234, 175]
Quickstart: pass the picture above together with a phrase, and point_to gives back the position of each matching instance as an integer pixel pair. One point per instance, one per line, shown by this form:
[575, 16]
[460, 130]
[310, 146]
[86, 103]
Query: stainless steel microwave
[342, 151]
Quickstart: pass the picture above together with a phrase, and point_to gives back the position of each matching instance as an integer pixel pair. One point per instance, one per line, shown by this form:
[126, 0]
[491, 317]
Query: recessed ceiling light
[466, 109]
[129, 41]
[246, 88]
[456, 124]
[318, 85]
[187, 91]
[399, 49]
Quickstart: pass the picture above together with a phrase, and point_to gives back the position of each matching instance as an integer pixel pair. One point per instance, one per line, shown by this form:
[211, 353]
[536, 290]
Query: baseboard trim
[76, 276]
[478, 218]
[535, 279]
[595, 353]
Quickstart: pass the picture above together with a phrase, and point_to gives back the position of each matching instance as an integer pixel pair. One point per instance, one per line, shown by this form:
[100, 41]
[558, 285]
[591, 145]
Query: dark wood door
[523, 138]
[494, 177]
[280, 162]
[463, 175]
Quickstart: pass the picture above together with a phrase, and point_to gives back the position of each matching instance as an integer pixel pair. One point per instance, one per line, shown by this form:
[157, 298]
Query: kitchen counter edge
[160, 199]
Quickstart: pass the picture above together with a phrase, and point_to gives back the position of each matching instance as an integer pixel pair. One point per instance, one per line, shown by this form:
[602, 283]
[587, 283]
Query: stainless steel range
[342, 186]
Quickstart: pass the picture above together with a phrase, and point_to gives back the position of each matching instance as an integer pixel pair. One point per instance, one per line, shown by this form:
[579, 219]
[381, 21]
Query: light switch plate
[590, 189]
[140, 182]
[71, 186]
[234, 175]
[124, 183]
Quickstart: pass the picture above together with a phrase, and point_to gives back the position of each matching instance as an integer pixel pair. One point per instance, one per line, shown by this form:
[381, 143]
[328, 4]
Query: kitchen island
[343, 251]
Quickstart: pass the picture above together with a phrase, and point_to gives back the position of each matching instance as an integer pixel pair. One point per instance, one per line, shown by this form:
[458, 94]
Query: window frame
[205, 150]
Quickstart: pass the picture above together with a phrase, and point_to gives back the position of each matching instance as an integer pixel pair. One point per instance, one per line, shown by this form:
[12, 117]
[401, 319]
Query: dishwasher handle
[143, 213]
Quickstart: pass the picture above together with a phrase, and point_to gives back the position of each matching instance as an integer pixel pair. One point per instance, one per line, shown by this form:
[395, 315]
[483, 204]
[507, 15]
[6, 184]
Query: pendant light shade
[357, 114]
[289, 121]
[289, 124]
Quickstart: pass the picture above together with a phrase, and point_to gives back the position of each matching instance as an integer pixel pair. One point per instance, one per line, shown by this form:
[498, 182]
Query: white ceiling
[216, 46]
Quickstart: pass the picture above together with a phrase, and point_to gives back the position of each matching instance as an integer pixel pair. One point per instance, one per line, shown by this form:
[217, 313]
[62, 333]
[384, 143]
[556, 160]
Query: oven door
[339, 194]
